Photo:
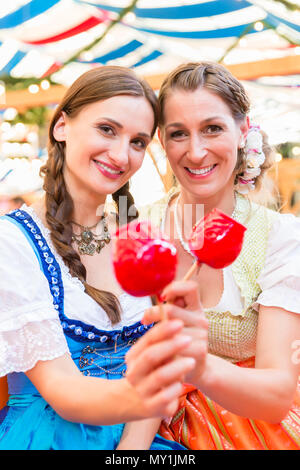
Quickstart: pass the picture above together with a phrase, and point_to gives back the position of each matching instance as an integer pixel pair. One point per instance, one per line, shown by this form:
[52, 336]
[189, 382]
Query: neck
[225, 202]
[87, 212]
[88, 206]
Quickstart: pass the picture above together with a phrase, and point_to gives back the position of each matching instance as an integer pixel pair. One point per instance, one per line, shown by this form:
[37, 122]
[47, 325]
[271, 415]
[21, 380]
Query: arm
[267, 391]
[151, 387]
[138, 435]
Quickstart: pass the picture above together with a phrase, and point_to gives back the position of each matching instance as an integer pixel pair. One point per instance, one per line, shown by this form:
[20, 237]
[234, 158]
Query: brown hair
[217, 79]
[97, 84]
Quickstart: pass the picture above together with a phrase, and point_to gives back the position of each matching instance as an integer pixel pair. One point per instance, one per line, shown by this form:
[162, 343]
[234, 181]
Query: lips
[108, 170]
[200, 172]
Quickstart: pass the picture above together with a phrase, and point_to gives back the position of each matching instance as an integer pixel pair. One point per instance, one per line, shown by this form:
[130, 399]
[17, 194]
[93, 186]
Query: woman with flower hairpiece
[67, 330]
[247, 395]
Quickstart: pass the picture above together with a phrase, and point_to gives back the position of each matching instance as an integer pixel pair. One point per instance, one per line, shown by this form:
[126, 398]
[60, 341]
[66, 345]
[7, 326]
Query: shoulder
[22, 283]
[283, 230]
[12, 239]
[284, 238]
[155, 212]
[280, 278]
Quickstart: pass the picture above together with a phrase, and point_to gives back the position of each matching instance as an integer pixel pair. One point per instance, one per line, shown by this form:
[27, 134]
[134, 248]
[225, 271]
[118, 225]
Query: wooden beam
[22, 99]
[289, 65]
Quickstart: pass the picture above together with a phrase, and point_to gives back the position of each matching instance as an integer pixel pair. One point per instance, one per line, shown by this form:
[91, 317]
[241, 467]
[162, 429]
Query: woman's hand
[183, 302]
[156, 365]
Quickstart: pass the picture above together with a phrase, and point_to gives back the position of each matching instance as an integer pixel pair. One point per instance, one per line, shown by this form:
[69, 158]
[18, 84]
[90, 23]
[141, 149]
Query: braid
[59, 207]
[98, 84]
[209, 75]
[125, 204]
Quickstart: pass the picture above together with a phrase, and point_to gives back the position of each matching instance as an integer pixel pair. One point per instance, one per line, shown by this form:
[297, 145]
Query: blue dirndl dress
[30, 422]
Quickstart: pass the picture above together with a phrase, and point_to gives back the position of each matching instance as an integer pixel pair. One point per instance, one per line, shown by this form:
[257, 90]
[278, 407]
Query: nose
[197, 148]
[119, 152]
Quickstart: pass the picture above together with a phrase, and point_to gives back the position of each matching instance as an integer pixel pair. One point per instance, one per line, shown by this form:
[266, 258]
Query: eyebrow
[205, 121]
[142, 134]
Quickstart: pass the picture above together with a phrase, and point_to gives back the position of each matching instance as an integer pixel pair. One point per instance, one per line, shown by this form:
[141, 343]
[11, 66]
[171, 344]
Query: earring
[242, 145]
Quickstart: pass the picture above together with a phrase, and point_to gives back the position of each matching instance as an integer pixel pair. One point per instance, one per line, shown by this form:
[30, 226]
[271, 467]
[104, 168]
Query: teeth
[201, 171]
[110, 170]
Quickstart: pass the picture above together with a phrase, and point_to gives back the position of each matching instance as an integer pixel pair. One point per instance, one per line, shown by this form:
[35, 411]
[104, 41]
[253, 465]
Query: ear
[244, 129]
[59, 130]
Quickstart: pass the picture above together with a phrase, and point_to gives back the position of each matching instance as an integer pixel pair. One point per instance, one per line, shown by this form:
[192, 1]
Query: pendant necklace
[89, 242]
[184, 245]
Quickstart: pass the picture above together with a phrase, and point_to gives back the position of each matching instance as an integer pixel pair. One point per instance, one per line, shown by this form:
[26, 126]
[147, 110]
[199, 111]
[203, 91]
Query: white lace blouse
[30, 329]
[280, 277]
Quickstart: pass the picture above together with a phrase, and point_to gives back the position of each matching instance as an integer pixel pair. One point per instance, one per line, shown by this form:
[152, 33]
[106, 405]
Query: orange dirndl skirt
[201, 424]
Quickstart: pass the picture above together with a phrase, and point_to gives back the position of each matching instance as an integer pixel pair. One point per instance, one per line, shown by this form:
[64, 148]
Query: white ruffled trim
[21, 349]
[282, 296]
[16, 320]
[47, 235]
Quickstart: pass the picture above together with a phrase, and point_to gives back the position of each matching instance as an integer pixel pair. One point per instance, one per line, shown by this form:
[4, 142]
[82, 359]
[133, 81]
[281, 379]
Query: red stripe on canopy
[80, 28]
[54, 68]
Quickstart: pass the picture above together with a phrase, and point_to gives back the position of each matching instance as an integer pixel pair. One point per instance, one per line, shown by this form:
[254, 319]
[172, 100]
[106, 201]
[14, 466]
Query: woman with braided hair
[246, 396]
[65, 325]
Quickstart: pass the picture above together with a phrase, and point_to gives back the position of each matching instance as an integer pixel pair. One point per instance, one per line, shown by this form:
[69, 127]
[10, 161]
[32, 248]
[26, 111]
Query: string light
[130, 17]
[10, 114]
[45, 84]
[296, 151]
[258, 26]
[33, 88]
[2, 93]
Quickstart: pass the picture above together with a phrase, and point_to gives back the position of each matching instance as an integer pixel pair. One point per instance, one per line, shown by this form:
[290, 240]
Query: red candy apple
[144, 260]
[217, 239]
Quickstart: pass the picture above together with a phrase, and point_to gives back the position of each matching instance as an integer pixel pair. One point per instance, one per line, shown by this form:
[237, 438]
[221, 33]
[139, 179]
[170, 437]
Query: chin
[105, 187]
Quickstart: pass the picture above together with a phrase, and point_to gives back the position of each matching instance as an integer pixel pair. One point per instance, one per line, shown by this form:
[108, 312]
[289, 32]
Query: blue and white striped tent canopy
[38, 36]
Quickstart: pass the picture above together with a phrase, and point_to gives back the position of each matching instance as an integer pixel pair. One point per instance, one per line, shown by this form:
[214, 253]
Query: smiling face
[105, 144]
[201, 140]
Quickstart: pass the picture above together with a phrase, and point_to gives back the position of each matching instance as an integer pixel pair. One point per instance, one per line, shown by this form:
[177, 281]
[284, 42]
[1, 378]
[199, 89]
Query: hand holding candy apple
[144, 260]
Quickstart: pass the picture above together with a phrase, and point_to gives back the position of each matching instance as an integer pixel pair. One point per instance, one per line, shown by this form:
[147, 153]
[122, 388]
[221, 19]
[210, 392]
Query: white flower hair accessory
[255, 157]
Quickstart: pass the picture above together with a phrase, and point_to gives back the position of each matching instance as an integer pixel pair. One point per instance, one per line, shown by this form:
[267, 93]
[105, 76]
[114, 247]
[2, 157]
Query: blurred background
[46, 44]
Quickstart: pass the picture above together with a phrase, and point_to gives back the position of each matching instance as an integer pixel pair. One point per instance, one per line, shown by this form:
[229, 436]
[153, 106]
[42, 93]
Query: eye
[139, 143]
[177, 135]
[106, 129]
[213, 129]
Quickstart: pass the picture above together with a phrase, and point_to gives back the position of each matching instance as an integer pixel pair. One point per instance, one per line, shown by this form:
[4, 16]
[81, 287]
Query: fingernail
[183, 340]
[161, 297]
[175, 324]
[190, 361]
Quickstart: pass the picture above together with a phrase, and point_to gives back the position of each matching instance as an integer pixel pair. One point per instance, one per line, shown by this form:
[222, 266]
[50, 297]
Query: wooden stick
[191, 271]
[195, 266]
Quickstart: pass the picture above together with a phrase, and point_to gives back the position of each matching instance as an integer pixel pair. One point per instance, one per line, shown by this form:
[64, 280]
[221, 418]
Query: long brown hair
[97, 84]
[218, 80]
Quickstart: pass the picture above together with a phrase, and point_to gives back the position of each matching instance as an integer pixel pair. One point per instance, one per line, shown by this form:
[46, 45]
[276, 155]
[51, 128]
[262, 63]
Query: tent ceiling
[255, 38]
[39, 36]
